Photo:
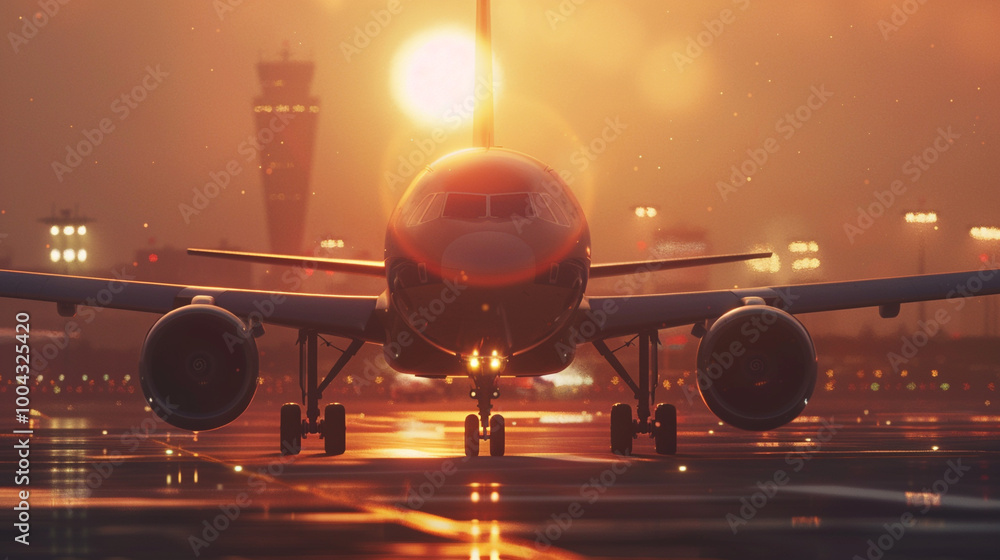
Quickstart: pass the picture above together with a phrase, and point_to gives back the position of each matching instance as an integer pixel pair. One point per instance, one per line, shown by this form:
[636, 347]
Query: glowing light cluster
[803, 247]
[68, 255]
[921, 217]
[645, 211]
[806, 264]
[68, 230]
[285, 108]
[985, 233]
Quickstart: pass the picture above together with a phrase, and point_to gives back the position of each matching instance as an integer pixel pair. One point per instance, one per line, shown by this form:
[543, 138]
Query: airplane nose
[489, 256]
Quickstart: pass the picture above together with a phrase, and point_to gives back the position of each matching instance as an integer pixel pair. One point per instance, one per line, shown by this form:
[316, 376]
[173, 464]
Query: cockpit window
[557, 211]
[465, 206]
[507, 206]
[418, 210]
[474, 206]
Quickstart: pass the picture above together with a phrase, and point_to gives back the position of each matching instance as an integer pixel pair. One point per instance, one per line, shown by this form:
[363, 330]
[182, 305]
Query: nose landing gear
[485, 389]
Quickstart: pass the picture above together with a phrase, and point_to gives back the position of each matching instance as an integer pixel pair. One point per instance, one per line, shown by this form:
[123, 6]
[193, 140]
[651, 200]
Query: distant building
[285, 115]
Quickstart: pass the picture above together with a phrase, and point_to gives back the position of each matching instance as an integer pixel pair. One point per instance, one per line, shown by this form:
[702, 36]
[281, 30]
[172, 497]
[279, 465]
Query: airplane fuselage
[487, 255]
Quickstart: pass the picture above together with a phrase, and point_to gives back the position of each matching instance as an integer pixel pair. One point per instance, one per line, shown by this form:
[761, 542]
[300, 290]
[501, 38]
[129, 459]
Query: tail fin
[482, 123]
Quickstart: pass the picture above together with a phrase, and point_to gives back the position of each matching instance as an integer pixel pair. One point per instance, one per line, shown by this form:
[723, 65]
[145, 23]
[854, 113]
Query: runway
[836, 485]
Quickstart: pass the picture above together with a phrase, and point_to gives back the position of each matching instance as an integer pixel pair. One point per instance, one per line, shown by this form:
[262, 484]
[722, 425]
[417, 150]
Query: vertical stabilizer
[482, 123]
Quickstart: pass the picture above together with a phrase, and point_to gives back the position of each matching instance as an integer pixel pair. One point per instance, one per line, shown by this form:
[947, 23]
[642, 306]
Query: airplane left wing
[348, 316]
[627, 315]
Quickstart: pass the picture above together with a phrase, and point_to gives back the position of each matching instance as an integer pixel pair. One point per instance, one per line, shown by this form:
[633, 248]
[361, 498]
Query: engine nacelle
[756, 367]
[198, 367]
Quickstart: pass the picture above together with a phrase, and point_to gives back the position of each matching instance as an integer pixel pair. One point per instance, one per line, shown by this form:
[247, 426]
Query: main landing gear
[332, 428]
[484, 390]
[624, 428]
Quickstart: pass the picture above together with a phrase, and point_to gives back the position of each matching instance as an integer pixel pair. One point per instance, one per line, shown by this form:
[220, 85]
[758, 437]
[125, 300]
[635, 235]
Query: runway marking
[423, 522]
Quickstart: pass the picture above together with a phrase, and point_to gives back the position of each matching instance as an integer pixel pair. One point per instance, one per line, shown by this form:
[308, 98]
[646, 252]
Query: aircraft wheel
[621, 429]
[665, 434]
[472, 436]
[497, 436]
[291, 429]
[334, 429]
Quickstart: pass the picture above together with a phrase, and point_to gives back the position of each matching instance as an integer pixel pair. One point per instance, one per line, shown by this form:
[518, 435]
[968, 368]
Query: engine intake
[198, 367]
[756, 367]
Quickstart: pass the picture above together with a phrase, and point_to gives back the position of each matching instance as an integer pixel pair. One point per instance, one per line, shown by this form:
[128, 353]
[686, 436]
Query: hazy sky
[687, 113]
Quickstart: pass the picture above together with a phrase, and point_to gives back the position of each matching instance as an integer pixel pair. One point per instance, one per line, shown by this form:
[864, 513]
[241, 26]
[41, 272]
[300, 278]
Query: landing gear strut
[484, 390]
[332, 428]
[624, 428]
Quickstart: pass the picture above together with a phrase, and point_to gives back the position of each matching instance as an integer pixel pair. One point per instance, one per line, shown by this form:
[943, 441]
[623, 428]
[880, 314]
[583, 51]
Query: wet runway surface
[844, 485]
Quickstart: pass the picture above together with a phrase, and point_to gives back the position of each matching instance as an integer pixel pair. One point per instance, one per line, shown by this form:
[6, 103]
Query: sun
[433, 76]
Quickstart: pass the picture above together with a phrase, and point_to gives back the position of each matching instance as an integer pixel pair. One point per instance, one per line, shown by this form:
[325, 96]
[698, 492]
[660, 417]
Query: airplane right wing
[628, 315]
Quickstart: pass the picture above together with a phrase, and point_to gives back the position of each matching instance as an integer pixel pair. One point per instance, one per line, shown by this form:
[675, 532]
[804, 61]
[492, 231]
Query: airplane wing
[370, 268]
[620, 269]
[627, 315]
[348, 316]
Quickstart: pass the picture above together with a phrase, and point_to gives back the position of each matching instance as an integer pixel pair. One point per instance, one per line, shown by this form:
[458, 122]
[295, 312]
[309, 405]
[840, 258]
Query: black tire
[498, 436]
[472, 436]
[621, 429]
[291, 429]
[334, 429]
[665, 426]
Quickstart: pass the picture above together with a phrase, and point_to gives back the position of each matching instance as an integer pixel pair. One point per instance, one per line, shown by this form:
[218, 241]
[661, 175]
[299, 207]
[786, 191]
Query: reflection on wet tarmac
[404, 489]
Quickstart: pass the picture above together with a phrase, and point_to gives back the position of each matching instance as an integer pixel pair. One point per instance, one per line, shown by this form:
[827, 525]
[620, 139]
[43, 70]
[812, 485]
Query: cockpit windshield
[475, 206]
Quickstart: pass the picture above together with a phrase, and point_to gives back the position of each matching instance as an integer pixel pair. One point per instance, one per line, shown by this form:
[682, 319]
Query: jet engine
[756, 367]
[198, 367]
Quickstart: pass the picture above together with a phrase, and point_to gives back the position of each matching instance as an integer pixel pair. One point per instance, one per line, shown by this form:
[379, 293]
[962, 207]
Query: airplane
[487, 261]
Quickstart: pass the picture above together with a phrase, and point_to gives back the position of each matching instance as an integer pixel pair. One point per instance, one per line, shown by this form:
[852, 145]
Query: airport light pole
[988, 234]
[68, 236]
[922, 220]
